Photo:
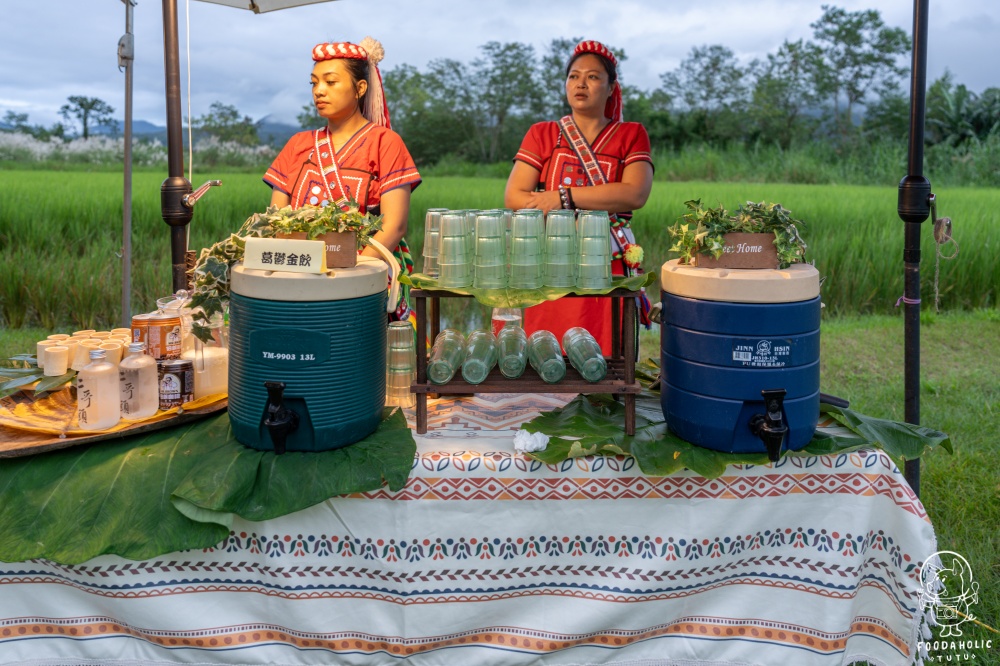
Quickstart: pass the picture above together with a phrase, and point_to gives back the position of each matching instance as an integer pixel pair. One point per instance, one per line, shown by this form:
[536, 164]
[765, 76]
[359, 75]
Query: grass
[73, 244]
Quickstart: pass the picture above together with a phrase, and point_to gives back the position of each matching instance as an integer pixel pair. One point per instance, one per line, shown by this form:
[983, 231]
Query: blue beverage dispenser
[740, 356]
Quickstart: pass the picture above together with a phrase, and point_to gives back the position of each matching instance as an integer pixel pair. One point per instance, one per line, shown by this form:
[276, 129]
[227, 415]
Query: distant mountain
[270, 131]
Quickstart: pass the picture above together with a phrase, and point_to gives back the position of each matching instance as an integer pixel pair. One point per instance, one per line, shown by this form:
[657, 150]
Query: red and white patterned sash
[335, 190]
[595, 177]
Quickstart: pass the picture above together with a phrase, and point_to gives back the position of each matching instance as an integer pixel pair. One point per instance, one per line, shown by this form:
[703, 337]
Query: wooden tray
[15, 442]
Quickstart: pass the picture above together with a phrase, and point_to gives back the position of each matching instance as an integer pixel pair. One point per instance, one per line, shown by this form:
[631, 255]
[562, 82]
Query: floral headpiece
[613, 108]
[375, 108]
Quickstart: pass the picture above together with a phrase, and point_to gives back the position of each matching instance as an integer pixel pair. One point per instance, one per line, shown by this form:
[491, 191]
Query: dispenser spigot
[770, 427]
[280, 421]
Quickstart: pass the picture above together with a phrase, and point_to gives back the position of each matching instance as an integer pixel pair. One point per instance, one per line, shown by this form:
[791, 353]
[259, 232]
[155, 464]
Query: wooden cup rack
[620, 379]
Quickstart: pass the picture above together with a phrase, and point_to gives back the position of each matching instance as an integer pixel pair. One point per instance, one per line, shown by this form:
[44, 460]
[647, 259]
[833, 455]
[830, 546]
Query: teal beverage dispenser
[740, 356]
[307, 355]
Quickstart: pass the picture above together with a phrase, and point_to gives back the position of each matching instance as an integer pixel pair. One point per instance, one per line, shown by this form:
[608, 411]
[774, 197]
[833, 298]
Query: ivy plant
[701, 230]
[210, 277]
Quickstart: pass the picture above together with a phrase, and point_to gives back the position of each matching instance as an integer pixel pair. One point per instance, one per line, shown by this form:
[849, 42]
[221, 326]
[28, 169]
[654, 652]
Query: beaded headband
[375, 108]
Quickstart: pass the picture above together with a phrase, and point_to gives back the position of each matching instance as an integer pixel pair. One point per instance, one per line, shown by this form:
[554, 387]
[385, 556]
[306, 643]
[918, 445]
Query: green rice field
[60, 238]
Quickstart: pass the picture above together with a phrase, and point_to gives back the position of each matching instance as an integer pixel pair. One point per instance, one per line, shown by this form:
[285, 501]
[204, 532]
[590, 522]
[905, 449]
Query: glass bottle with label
[97, 393]
[138, 384]
[546, 357]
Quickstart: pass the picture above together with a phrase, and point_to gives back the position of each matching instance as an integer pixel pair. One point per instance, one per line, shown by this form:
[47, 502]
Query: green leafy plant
[210, 277]
[701, 230]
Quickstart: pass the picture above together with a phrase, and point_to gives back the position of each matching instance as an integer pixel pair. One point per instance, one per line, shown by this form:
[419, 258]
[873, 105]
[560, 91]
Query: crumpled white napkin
[525, 442]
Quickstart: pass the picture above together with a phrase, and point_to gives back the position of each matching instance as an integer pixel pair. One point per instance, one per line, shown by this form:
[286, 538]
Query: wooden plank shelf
[620, 379]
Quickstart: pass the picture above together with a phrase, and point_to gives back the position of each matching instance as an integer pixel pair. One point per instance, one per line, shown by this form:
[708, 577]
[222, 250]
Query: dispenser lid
[798, 282]
[370, 276]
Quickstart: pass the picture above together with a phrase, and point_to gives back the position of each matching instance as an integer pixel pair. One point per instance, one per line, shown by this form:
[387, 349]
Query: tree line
[806, 91]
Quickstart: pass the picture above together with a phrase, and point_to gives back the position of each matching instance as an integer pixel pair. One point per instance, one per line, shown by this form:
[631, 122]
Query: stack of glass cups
[400, 364]
[490, 261]
[527, 251]
[513, 351]
[593, 231]
[546, 357]
[446, 356]
[454, 258]
[432, 226]
[508, 216]
[561, 254]
[480, 356]
[470, 230]
[584, 354]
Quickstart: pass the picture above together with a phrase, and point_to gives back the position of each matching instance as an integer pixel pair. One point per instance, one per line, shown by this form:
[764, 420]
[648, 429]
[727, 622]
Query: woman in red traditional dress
[588, 160]
[355, 157]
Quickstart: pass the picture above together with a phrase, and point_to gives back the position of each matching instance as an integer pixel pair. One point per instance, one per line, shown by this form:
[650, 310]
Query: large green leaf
[259, 485]
[522, 298]
[121, 496]
[595, 424]
[901, 441]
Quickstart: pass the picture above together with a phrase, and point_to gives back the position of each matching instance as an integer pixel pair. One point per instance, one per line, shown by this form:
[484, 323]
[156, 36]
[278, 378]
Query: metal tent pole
[913, 207]
[173, 190]
[126, 59]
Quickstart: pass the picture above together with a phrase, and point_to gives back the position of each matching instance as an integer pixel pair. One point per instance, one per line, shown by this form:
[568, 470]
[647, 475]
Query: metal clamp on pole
[191, 199]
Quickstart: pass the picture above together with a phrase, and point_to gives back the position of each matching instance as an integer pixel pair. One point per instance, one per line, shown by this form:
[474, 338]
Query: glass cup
[560, 249]
[446, 356]
[454, 259]
[401, 364]
[512, 343]
[480, 356]
[432, 230]
[490, 261]
[527, 249]
[546, 357]
[593, 223]
[585, 354]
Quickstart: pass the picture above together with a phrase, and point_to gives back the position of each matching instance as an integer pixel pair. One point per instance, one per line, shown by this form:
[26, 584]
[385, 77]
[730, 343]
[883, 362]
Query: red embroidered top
[369, 164]
[547, 149]
[618, 145]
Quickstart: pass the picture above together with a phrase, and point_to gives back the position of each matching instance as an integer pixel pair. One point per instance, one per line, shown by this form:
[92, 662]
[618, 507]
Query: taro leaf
[109, 497]
[824, 443]
[521, 298]
[260, 485]
[901, 441]
[587, 425]
[118, 497]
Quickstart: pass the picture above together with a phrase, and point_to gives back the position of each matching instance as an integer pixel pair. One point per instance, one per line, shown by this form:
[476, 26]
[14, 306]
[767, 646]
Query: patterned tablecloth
[488, 557]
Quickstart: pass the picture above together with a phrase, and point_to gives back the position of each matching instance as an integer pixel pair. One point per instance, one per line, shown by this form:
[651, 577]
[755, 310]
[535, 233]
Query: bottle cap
[98, 354]
[137, 347]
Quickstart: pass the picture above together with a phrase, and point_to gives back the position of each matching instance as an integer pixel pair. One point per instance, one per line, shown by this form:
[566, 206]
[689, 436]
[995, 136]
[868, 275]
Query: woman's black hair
[609, 66]
[358, 69]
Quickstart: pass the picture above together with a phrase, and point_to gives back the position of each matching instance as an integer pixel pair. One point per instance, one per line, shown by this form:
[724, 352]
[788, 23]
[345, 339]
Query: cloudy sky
[260, 63]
